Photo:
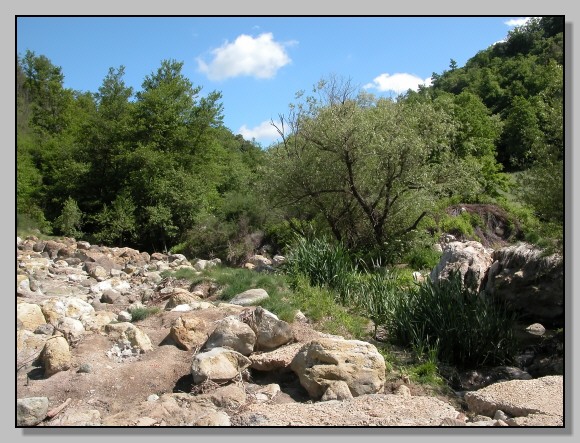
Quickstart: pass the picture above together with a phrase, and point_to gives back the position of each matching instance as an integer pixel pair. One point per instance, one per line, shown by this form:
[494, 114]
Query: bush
[324, 264]
[423, 257]
[142, 313]
[69, 222]
[468, 330]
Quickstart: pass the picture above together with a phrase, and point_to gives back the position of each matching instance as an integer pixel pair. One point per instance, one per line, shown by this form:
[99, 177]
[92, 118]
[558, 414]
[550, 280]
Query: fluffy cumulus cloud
[259, 57]
[399, 82]
[263, 133]
[517, 21]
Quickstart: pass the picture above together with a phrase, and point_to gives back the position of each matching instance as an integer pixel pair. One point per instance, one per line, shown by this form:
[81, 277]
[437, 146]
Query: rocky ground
[83, 361]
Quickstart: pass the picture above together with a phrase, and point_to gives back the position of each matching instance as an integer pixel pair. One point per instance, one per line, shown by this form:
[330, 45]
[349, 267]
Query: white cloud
[264, 132]
[259, 57]
[399, 82]
[517, 21]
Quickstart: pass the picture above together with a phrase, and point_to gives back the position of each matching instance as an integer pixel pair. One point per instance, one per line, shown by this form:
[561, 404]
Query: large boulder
[170, 410]
[279, 358]
[52, 247]
[323, 361]
[368, 410]
[530, 282]
[520, 398]
[232, 333]
[28, 347]
[471, 259]
[271, 332]
[218, 365]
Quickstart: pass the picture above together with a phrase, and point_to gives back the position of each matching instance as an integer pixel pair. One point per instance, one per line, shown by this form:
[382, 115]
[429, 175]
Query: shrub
[423, 257]
[69, 222]
[467, 329]
[142, 313]
[324, 264]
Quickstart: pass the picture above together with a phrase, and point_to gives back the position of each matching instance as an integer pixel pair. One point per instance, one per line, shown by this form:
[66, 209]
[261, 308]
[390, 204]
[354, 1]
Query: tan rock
[518, 398]
[188, 332]
[180, 297]
[218, 364]
[130, 332]
[356, 362]
[30, 315]
[56, 356]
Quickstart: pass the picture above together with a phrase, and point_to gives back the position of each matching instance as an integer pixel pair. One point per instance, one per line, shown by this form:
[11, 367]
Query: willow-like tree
[370, 167]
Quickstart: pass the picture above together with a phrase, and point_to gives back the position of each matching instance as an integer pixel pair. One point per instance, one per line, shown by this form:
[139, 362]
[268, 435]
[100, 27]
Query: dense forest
[157, 170]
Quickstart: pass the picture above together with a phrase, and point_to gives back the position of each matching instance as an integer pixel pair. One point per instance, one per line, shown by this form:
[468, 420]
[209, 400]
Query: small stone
[403, 391]
[85, 368]
[536, 329]
[153, 397]
[500, 415]
[124, 316]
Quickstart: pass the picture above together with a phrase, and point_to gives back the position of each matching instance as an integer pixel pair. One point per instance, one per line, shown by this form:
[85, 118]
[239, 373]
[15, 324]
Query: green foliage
[521, 82]
[393, 160]
[423, 257]
[542, 188]
[70, 221]
[323, 263]
[141, 313]
[318, 304]
[376, 294]
[32, 223]
[117, 223]
[467, 329]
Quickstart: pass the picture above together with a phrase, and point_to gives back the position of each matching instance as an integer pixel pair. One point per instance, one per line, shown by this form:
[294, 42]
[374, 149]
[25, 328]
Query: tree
[70, 221]
[117, 222]
[371, 168]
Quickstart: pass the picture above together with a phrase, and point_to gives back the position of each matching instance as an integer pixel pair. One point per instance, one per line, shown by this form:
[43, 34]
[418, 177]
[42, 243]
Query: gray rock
[271, 332]
[31, 411]
[536, 329]
[124, 316]
[470, 259]
[531, 283]
[232, 333]
[45, 329]
[85, 368]
[218, 364]
[250, 297]
[110, 296]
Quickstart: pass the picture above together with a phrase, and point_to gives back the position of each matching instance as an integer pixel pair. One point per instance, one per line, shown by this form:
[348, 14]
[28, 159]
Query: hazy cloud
[517, 21]
[399, 82]
[259, 57]
[264, 132]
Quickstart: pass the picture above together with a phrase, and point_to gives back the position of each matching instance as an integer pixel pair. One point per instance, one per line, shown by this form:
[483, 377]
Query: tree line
[157, 169]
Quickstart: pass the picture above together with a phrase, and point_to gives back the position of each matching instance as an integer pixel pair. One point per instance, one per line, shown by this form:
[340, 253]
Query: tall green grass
[324, 264]
[468, 330]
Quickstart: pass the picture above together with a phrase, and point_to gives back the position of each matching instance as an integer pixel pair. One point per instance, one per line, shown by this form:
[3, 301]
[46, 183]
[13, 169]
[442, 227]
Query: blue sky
[259, 63]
